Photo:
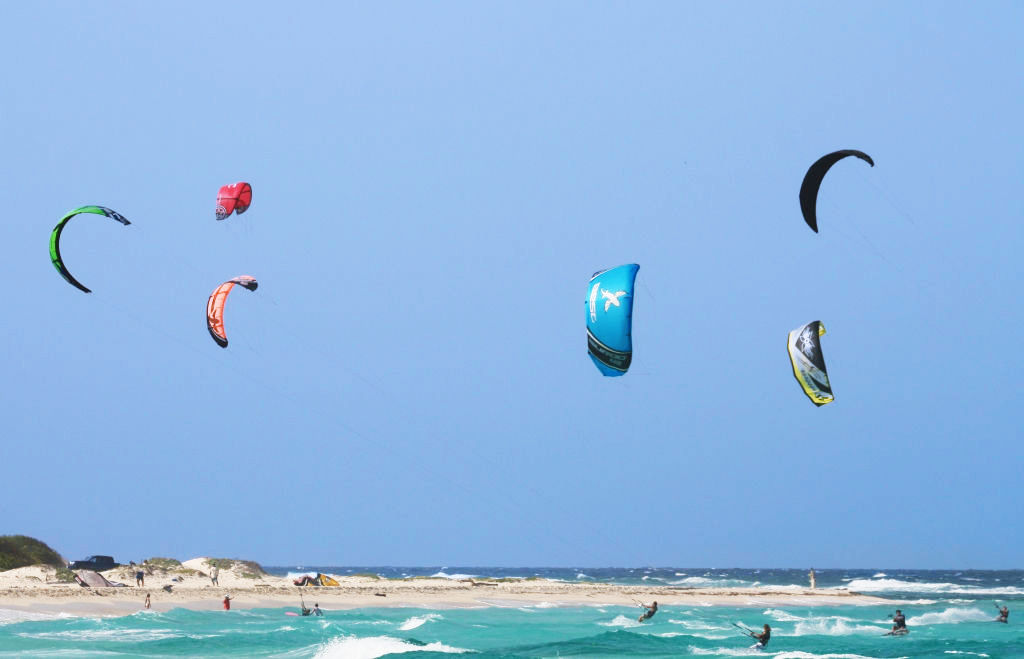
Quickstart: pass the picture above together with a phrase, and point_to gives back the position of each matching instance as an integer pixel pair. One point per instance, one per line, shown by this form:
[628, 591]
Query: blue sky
[433, 186]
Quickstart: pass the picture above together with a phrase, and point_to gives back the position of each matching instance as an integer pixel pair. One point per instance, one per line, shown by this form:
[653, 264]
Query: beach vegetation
[163, 563]
[367, 575]
[21, 550]
[244, 569]
[64, 575]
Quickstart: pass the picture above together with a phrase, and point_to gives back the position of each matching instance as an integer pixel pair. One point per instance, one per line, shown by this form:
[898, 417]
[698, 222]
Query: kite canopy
[609, 307]
[233, 197]
[55, 256]
[215, 307]
[808, 363]
[813, 178]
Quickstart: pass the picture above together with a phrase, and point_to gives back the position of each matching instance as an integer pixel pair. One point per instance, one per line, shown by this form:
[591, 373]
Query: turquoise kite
[609, 307]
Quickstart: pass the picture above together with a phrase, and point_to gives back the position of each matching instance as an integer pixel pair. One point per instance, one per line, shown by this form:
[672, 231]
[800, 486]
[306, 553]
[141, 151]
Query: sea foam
[418, 621]
[950, 616]
[371, 647]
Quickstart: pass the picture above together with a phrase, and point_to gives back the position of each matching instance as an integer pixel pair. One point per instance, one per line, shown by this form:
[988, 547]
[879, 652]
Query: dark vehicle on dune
[95, 563]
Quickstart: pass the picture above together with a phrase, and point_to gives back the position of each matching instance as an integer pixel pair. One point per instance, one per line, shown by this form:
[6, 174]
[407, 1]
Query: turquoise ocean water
[950, 614]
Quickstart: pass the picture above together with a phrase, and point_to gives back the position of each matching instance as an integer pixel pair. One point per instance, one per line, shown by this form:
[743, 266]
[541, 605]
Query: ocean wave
[976, 654]
[897, 585]
[456, 577]
[113, 635]
[706, 582]
[622, 621]
[371, 647]
[418, 621]
[950, 616]
[833, 626]
[754, 652]
[782, 616]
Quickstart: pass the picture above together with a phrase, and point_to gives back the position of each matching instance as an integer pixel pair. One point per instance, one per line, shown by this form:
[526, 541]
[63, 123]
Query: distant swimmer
[649, 613]
[1004, 613]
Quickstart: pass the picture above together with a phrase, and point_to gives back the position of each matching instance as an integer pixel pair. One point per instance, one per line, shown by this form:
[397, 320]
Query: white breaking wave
[417, 621]
[950, 616]
[976, 654]
[897, 585]
[371, 647]
[443, 575]
[880, 575]
[782, 616]
[833, 626]
[621, 621]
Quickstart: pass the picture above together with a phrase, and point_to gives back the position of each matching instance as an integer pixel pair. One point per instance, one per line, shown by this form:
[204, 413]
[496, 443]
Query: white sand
[35, 589]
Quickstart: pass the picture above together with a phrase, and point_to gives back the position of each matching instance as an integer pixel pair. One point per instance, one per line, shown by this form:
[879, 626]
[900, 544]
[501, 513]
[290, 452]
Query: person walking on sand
[649, 613]
[214, 574]
[227, 603]
[813, 583]
[147, 600]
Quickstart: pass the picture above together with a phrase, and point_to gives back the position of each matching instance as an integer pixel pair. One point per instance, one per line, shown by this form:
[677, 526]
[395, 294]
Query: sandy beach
[36, 589]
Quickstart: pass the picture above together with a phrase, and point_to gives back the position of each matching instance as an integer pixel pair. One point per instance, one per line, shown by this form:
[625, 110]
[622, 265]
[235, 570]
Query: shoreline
[353, 593]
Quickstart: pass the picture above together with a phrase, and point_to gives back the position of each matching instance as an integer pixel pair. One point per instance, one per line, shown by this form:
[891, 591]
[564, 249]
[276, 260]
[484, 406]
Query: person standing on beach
[140, 577]
[147, 600]
[214, 574]
[649, 613]
[227, 603]
[811, 575]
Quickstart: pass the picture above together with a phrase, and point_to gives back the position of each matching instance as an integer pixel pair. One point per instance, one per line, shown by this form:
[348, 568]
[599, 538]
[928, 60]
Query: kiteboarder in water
[1004, 613]
[763, 637]
[649, 613]
[899, 623]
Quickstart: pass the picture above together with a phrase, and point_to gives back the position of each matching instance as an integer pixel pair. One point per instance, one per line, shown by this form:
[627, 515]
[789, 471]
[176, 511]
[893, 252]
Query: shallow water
[950, 615]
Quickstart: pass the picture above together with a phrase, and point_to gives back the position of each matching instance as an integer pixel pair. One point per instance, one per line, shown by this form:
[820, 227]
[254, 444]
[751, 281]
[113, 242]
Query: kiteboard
[291, 613]
[897, 632]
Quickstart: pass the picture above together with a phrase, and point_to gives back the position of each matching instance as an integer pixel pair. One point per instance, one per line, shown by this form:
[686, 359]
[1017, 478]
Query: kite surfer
[316, 610]
[1004, 613]
[763, 637]
[649, 613]
[899, 624]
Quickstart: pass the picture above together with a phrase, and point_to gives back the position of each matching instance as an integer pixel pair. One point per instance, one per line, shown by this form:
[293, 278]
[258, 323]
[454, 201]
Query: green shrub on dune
[21, 550]
[244, 569]
[163, 563]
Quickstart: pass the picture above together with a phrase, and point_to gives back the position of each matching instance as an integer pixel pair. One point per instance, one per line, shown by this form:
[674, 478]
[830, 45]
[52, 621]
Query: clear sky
[434, 184]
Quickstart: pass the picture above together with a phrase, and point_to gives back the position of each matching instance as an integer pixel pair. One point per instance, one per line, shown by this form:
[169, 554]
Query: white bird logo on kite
[611, 298]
